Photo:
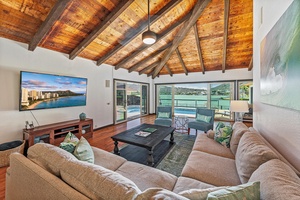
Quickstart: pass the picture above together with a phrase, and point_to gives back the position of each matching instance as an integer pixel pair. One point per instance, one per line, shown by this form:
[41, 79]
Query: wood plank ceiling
[193, 35]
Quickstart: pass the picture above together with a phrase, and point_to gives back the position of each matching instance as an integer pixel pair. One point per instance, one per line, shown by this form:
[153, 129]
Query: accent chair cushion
[163, 121]
[203, 118]
[163, 115]
[84, 151]
[248, 191]
[251, 153]
[277, 181]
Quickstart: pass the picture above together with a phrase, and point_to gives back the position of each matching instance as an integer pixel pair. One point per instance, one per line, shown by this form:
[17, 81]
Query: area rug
[176, 158]
[169, 158]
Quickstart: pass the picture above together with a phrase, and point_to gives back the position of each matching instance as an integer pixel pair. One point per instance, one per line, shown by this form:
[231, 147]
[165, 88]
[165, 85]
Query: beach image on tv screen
[42, 91]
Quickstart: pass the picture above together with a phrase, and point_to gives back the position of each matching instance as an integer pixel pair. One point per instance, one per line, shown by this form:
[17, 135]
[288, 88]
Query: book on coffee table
[142, 133]
[150, 130]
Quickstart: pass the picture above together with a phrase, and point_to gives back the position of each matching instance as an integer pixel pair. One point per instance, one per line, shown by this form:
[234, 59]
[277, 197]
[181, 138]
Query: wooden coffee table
[148, 142]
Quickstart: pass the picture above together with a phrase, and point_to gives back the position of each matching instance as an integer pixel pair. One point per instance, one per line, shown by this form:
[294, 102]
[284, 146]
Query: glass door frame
[141, 100]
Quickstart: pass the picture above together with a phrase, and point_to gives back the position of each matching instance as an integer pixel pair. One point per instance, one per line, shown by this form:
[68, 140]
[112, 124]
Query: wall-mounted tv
[42, 91]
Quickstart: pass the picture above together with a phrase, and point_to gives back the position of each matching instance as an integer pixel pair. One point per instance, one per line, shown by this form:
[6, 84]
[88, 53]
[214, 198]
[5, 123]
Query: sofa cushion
[277, 181]
[185, 183]
[199, 194]
[97, 182]
[251, 153]
[246, 191]
[83, 151]
[238, 129]
[49, 157]
[107, 159]
[205, 144]
[147, 177]
[211, 169]
[159, 194]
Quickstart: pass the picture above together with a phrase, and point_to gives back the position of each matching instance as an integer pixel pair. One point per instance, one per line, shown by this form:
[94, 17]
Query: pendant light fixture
[149, 37]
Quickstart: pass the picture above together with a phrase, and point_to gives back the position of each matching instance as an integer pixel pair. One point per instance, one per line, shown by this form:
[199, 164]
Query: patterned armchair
[164, 116]
[204, 120]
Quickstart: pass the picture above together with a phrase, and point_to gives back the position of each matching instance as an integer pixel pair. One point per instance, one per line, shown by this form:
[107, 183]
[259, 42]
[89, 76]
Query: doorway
[131, 100]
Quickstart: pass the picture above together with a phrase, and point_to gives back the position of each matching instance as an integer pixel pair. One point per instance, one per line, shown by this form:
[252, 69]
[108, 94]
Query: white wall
[279, 125]
[15, 57]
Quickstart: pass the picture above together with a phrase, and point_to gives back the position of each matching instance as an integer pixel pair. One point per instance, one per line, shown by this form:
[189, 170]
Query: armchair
[164, 116]
[204, 120]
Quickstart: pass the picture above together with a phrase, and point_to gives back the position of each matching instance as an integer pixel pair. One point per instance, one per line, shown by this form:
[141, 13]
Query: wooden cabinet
[55, 133]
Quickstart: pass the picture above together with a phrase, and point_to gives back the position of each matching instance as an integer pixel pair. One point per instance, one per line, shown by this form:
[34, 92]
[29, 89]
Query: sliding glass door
[131, 100]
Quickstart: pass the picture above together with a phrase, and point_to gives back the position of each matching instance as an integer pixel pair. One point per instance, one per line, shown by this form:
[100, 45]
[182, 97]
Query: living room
[278, 125]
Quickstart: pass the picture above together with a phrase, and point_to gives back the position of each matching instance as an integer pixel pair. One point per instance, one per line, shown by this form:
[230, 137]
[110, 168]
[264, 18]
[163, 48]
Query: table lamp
[239, 107]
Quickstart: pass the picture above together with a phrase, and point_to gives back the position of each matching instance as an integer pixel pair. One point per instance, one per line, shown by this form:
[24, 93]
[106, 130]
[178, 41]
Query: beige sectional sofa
[52, 173]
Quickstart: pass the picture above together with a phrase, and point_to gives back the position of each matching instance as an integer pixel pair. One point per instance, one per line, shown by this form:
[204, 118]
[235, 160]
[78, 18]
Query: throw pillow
[163, 115]
[199, 194]
[159, 193]
[210, 134]
[248, 191]
[203, 118]
[84, 151]
[69, 142]
[223, 134]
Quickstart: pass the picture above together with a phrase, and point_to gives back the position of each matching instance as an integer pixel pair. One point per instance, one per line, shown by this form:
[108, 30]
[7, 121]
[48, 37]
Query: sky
[50, 82]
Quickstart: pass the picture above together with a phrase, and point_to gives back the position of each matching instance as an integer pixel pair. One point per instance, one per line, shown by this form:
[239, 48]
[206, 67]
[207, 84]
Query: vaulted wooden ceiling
[193, 36]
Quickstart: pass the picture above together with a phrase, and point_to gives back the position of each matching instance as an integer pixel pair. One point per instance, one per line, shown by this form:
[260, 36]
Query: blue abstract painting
[280, 61]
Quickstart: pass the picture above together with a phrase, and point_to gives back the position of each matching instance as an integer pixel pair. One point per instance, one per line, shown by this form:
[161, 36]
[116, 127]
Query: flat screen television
[43, 91]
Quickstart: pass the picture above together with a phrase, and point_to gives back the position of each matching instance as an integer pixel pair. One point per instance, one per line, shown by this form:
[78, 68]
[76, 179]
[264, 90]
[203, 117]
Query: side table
[181, 122]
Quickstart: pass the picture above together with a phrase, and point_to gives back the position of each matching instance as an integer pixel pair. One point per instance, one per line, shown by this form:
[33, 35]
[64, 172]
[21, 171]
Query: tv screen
[42, 91]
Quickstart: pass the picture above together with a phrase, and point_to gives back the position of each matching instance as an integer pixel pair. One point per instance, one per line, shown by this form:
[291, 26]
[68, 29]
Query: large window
[185, 98]
[131, 100]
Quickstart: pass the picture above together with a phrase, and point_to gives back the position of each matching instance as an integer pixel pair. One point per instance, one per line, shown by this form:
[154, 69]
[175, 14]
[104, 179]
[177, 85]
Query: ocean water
[63, 102]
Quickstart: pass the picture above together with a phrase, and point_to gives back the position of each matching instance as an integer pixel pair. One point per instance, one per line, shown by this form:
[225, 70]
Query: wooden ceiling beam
[199, 48]
[196, 12]
[250, 64]
[168, 69]
[144, 46]
[114, 14]
[226, 19]
[46, 26]
[181, 61]
[143, 62]
[138, 31]
[149, 67]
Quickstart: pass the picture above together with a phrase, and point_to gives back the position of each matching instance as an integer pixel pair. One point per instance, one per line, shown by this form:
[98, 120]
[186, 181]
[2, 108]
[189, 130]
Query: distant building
[24, 100]
[47, 95]
[34, 94]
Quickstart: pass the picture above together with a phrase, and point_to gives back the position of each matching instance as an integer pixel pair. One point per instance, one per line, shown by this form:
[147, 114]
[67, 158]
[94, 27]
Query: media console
[56, 132]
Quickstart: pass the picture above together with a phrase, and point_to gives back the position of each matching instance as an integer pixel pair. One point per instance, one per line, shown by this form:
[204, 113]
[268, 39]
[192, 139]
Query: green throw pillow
[203, 118]
[69, 142]
[163, 115]
[223, 134]
[248, 191]
[84, 151]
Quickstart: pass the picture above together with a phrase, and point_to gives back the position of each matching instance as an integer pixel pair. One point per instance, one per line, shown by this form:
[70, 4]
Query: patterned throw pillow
[203, 118]
[163, 115]
[69, 142]
[84, 151]
[223, 134]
